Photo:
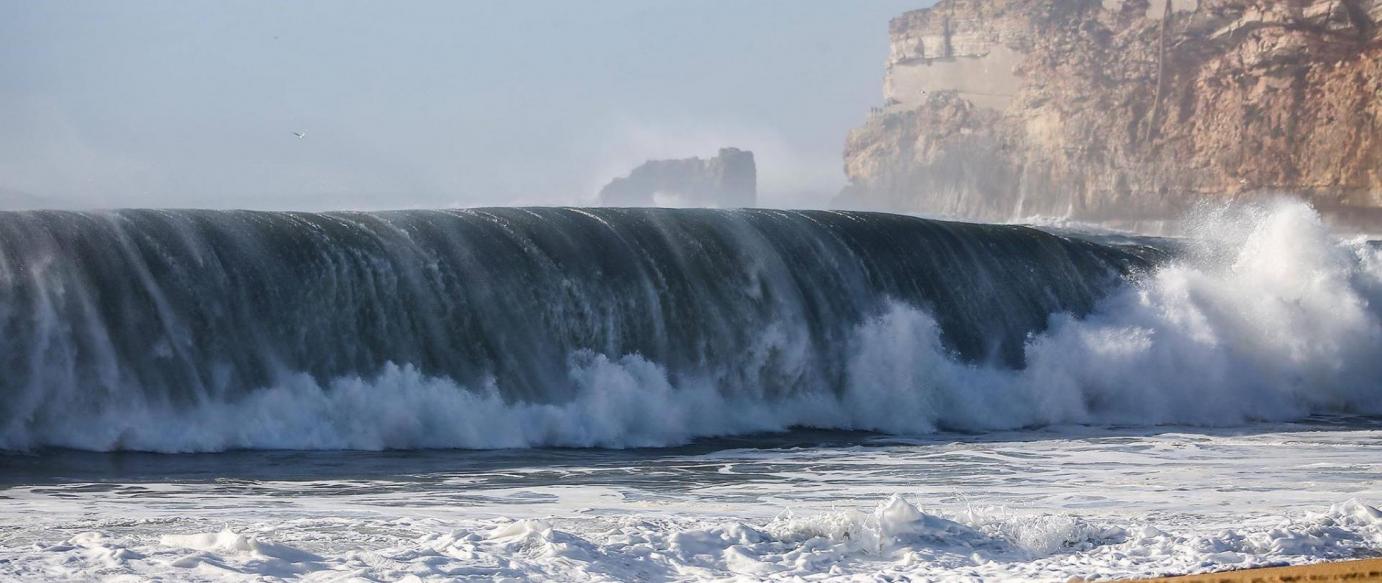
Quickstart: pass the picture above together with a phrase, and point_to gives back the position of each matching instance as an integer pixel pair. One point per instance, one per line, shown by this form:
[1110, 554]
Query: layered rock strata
[1124, 110]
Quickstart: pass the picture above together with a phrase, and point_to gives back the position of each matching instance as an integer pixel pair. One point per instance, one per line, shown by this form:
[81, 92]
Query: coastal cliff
[1124, 111]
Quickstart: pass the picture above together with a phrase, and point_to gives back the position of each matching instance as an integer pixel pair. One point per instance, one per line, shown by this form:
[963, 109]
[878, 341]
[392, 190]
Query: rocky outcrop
[729, 180]
[17, 200]
[1124, 110]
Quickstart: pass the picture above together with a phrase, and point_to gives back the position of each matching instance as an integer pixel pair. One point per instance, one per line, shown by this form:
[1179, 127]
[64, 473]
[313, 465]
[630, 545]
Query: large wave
[205, 331]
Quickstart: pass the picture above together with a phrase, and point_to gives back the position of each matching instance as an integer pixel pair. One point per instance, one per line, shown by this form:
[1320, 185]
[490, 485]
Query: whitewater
[770, 395]
[1042, 505]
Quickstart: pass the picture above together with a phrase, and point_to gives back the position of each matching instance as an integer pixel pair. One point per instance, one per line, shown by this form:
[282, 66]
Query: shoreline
[1350, 570]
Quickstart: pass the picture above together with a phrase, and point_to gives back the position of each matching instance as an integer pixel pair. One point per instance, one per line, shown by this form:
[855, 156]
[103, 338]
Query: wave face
[176, 310]
[213, 330]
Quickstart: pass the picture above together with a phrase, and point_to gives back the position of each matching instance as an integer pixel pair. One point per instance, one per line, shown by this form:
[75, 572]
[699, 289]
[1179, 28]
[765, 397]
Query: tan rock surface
[1107, 114]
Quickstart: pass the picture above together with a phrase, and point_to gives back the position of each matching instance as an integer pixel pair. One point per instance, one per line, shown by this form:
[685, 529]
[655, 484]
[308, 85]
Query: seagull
[302, 134]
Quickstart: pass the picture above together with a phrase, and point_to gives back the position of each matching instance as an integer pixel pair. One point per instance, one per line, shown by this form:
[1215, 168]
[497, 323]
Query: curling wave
[205, 331]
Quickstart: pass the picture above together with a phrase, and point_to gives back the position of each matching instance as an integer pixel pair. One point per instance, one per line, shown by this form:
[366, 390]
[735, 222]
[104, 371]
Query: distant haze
[421, 104]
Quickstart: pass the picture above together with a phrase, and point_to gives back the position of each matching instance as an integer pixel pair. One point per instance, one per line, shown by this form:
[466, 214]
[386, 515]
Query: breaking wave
[489, 328]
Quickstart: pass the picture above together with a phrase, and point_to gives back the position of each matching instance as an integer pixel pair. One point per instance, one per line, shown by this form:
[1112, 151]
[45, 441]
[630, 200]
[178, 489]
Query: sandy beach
[1360, 570]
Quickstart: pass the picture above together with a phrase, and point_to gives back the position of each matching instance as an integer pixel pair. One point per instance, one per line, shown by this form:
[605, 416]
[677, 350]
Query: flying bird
[302, 134]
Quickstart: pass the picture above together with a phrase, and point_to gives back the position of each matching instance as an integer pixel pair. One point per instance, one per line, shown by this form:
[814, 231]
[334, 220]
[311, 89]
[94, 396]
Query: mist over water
[194, 331]
[190, 105]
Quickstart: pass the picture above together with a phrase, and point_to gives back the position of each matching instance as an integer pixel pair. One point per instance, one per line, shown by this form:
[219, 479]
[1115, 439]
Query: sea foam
[895, 539]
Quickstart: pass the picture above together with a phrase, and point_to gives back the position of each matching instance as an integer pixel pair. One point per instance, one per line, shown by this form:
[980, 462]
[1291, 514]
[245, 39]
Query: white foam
[894, 539]
[1047, 504]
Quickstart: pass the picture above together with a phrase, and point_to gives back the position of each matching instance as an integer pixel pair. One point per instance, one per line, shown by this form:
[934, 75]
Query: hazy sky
[194, 104]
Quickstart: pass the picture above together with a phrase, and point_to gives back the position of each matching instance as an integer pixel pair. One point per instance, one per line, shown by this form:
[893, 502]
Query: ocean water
[621, 394]
[1032, 505]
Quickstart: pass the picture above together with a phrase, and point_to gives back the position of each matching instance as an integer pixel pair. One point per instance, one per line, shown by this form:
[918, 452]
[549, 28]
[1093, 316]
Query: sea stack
[728, 180]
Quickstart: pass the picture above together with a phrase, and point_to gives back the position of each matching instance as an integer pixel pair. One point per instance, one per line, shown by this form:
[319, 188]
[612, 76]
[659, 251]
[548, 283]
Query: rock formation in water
[15, 200]
[729, 180]
[1124, 110]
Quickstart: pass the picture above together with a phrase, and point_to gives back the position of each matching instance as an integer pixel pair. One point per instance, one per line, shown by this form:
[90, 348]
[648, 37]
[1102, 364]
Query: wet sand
[1362, 570]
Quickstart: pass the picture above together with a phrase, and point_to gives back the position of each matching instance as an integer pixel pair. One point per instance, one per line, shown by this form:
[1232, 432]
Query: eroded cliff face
[1124, 110]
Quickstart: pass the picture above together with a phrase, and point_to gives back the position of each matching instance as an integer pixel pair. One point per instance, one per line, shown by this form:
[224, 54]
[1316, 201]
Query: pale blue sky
[414, 104]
